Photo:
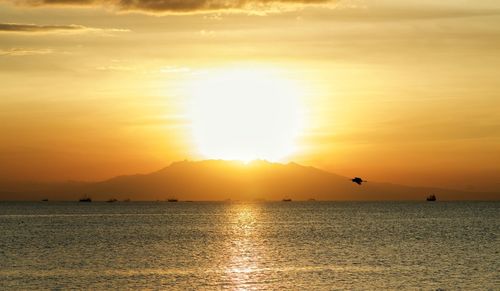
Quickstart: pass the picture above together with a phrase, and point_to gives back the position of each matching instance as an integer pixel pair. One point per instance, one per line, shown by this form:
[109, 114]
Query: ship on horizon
[431, 197]
[85, 199]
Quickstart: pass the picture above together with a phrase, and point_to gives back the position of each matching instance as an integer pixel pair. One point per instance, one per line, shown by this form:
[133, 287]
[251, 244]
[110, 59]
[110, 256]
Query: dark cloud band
[178, 6]
[16, 27]
[36, 28]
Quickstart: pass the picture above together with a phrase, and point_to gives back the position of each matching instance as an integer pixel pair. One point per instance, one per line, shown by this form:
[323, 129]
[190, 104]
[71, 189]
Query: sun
[245, 114]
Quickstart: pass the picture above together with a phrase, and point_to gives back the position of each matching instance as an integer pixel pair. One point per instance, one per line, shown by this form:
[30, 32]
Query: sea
[294, 245]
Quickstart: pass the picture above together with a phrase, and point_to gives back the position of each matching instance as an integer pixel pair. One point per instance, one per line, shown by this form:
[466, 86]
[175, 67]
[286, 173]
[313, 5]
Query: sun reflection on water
[245, 245]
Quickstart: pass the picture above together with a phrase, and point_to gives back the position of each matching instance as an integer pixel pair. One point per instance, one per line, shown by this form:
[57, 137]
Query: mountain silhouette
[222, 180]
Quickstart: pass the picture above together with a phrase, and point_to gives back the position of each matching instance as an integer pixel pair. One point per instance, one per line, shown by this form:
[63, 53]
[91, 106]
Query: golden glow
[405, 95]
[245, 114]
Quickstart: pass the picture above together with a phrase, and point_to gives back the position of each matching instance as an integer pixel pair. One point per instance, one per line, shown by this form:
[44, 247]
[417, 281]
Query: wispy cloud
[36, 28]
[115, 68]
[25, 52]
[160, 121]
[174, 70]
[19, 27]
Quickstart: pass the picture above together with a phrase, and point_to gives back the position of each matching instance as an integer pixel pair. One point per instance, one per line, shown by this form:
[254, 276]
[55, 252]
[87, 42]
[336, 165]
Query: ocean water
[250, 246]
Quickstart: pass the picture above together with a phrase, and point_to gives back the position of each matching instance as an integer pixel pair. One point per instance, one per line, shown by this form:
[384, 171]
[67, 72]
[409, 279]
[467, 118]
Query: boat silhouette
[85, 199]
[431, 198]
[287, 200]
[172, 200]
[112, 200]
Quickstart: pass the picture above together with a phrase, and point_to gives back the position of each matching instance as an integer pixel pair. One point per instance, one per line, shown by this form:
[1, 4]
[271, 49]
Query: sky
[402, 91]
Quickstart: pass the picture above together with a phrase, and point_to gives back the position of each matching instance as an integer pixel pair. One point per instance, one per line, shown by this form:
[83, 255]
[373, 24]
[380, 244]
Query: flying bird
[358, 180]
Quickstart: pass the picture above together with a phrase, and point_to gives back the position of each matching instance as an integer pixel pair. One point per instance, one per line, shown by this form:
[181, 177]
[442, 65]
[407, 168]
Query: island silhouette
[230, 180]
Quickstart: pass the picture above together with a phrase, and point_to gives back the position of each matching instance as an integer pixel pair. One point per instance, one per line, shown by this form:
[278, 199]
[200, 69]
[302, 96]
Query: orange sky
[402, 91]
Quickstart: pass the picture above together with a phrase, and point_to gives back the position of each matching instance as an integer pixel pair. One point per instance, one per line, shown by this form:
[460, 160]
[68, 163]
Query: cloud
[25, 52]
[115, 68]
[180, 6]
[36, 28]
[160, 121]
[18, 27]
[389, 8]
[174, 70]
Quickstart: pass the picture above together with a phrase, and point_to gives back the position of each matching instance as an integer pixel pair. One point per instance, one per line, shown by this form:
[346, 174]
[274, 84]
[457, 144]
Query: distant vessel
[172, 200]
[286, 200]
[112, 200]
[45, 200]
[431, 198]
[85, 199]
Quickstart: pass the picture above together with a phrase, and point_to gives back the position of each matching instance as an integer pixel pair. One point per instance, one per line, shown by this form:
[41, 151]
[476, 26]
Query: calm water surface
[247, 246]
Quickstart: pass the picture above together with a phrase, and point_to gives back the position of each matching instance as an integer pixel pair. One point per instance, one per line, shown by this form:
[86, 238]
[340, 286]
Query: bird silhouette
[358, 180]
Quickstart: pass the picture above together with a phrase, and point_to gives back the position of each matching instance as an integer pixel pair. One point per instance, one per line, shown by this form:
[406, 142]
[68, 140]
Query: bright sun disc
[245, 115]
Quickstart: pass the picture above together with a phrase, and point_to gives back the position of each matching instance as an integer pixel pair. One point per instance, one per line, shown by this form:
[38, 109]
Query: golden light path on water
[244, 255]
